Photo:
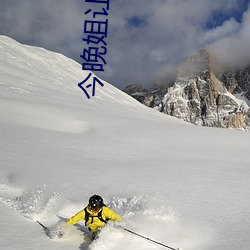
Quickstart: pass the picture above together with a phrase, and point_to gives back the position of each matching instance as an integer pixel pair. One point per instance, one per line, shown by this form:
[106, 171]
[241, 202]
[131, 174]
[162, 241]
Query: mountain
[237, 81]
[182, 185]
[202, 97]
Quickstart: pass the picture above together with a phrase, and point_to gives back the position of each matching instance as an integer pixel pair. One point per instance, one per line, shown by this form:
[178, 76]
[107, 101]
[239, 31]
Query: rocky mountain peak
[202, 97]
[196, 64]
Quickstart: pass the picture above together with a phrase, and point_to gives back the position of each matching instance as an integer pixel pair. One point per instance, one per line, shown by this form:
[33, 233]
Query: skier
[95, 214]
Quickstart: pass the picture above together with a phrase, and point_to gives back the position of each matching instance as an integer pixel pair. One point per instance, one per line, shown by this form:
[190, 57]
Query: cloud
[228, 28]
[233, 49]
[171, 31]
[146, 38]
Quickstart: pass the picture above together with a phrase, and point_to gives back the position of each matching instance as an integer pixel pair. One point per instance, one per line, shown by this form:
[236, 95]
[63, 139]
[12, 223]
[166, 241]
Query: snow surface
[182, 185]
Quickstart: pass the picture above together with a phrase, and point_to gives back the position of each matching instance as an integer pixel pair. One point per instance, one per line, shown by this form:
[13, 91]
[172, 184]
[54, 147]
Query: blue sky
[136, 21]
[218, 17]
[146, 39]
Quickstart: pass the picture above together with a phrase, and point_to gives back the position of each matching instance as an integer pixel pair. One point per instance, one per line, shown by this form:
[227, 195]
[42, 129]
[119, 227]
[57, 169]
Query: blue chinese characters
[96, 32]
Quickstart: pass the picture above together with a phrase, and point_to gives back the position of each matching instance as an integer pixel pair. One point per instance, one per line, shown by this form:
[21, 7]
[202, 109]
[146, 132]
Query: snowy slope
[179, 184]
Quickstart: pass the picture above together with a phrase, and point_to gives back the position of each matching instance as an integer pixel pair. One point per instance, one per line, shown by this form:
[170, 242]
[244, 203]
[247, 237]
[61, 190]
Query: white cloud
[228, 28]
[233, 50]
[170, 31]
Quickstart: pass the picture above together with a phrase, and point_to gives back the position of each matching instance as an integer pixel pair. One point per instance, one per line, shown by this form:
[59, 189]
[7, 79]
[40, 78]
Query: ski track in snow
[42, 116]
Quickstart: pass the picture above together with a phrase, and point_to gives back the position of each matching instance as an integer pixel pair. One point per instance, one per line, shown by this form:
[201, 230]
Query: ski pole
[45, 228]
[146, 238]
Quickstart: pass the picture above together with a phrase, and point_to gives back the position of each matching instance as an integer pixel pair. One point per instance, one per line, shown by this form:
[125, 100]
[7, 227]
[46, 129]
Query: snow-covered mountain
[237, 81]
[201, 96]
[182, 185]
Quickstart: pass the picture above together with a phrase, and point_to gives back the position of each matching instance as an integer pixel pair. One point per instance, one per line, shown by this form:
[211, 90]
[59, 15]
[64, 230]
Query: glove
[60, 234]
[62, 229]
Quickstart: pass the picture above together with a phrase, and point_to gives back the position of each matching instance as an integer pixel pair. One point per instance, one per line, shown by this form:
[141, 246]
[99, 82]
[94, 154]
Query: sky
[146, 39]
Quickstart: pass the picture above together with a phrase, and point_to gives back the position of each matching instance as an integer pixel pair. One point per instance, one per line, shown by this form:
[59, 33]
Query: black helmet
[96, 202]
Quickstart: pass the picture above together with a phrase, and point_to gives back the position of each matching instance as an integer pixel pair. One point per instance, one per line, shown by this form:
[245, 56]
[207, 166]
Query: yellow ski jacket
[94, 223]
